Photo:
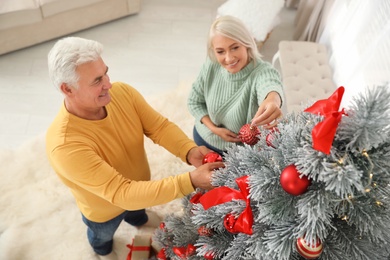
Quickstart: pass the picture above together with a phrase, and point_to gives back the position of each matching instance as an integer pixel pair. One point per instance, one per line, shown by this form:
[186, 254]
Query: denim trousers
[100, 235]
[199, 141]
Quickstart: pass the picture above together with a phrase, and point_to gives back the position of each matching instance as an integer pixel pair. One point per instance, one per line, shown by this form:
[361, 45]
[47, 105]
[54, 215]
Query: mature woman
[234, 87]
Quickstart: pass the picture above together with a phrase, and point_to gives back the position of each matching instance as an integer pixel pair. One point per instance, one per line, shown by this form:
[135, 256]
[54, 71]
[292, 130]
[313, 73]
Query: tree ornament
[243, 223]
[161, 255]
[324, 132]
[162, 226]
[212, 157]
[291, 181]
[185, 251]
[249, 134]
[204, 231]
[309, 251]
[270, 137]
[195, 198]
[229, 222]
[209, 255]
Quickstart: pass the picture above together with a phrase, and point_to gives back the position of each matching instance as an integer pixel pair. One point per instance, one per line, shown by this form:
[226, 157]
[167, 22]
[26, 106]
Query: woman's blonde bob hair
[236, 30]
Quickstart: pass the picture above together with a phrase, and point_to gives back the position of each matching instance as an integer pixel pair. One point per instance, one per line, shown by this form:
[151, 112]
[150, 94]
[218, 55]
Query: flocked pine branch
[345, 207]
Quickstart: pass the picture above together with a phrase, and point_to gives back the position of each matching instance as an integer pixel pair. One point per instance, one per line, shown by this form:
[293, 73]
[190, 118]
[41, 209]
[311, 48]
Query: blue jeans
[100, 235]
[199, 141]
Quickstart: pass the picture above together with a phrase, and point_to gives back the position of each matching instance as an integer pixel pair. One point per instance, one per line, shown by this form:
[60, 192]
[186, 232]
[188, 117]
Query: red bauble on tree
[309, 251]
[212, 157]
[162, 226]
[209, 255]
[249, 134]
[204, 231]
[270, 137]
[229, 221]
[291, 181]
[184, 252]
[161, 255]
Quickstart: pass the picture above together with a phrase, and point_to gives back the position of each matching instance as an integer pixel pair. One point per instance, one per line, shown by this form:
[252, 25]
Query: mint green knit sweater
[230, 100]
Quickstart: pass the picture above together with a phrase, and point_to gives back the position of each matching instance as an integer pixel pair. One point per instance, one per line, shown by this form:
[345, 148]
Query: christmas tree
[317, 187]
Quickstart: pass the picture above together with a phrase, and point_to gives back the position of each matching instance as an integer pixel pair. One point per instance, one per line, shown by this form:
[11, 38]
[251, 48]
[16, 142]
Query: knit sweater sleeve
[162, 131]
[196, 100]
[270, 80]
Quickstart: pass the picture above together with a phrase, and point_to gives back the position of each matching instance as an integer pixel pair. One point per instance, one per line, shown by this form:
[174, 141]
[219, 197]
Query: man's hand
[196, 154]
[201, 177]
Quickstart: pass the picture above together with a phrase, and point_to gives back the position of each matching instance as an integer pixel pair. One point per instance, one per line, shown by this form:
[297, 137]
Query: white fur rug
[39, 218]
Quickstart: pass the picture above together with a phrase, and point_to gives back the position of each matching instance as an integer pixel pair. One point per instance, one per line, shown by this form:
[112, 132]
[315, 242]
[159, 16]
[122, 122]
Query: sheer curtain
[357, 34]
[310, 19]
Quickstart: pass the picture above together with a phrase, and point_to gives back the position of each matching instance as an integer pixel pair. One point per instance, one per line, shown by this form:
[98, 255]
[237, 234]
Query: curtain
[310, 19]
[357, 34]
[291, 4]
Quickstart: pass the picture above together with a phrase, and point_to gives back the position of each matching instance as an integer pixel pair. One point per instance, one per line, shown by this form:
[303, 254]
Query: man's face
[94, 84]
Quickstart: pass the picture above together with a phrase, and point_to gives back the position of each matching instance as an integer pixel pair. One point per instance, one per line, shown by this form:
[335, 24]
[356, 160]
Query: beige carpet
[39, 218]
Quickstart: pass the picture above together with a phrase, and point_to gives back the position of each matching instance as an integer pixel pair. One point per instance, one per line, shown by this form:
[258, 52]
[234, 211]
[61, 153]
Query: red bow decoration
[185, 251]
[224, 194]
[195, 199]
[323, 133]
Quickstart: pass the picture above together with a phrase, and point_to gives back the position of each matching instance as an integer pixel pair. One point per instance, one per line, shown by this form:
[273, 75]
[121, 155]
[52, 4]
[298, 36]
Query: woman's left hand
[269, 112]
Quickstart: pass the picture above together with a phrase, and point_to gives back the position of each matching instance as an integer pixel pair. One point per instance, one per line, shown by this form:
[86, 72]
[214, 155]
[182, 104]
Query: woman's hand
[222, 132]
[269, 111]
[226, 134]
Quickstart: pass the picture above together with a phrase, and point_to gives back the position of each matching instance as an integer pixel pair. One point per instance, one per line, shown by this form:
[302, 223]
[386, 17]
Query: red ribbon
[224, 194]
[136, 248]
[323, 133]
[185, 251]
[195, 199]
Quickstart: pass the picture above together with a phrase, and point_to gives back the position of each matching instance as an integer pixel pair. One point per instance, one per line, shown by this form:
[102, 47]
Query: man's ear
[66, 89]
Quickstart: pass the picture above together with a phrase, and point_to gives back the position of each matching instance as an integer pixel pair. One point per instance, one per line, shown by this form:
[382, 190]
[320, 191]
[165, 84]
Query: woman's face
[232, 55]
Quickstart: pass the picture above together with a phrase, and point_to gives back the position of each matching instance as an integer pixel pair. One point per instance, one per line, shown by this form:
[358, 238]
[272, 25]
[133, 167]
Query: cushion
[51, 7]
[20, 18]
[307, 75]
[7, 6]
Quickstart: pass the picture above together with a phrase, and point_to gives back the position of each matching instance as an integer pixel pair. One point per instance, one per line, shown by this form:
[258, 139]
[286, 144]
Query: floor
[153, 51]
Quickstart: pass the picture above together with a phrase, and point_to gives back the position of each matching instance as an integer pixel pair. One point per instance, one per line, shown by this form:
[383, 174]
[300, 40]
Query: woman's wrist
[274, 97]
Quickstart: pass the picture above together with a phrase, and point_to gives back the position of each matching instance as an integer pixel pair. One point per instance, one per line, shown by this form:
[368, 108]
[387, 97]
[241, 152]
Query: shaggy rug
[39, 218]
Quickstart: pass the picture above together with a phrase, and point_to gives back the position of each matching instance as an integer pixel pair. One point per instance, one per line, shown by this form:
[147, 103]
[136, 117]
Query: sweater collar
[242, 74]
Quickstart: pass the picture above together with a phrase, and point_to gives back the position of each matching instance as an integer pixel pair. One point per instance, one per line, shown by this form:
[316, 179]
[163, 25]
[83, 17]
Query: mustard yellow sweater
[104, 162]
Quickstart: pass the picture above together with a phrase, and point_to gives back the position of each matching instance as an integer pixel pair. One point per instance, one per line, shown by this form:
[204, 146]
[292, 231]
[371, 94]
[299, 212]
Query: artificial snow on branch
[318, 189]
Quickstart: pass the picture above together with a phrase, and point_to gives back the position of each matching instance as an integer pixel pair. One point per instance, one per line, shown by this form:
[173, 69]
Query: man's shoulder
[119, 86]
[123, 90]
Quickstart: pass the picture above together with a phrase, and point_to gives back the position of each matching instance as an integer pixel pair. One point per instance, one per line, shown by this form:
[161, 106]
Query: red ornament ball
[209, 255]
[162, 226]
[270, 137]
[204, 231]
[292, 183]
[212, 157]
[309, 251]
[161, 255]
[229, 221]
[249, 134]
